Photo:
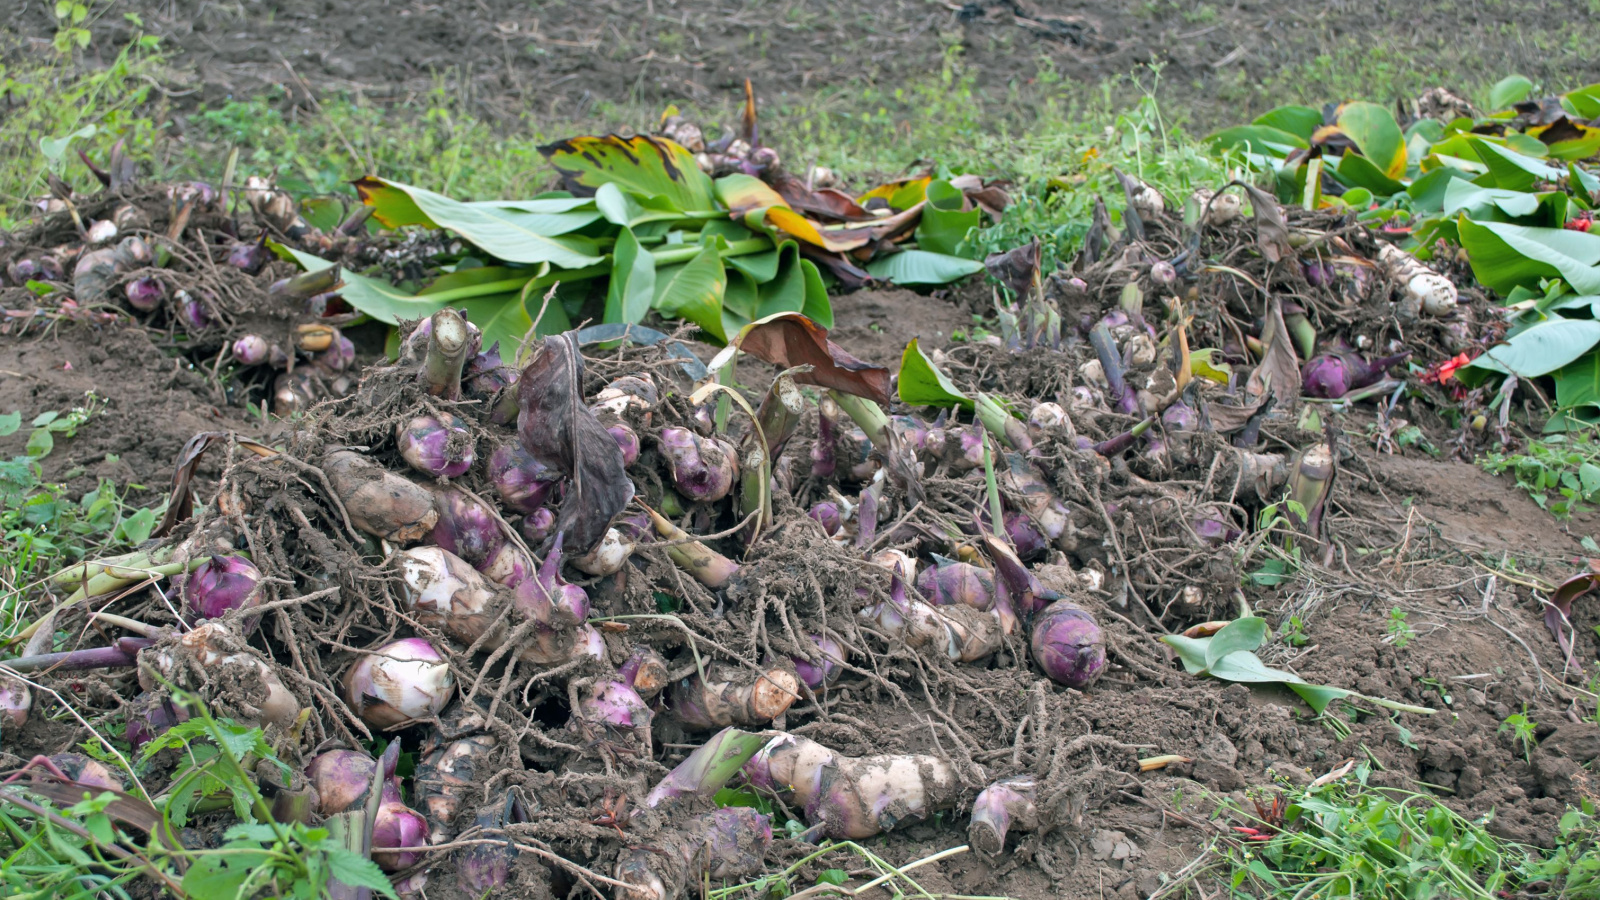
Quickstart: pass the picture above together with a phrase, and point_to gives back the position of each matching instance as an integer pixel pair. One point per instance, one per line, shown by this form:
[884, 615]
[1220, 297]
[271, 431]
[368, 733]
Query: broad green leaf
[922, 384]
[1376, 135]
[817, 308]
[1358, 171]
[620, 207]
[1548, 209]
[1541, 349]
[1583, 146]
[1241, 634]
[1318, 696]
[502, 318]
[1191, 651]
[786, 291]
[548, 224]
[9, 423]
[1578, 383]
[1300, 121]
[507, 233]
[633, 281]
[739, 301]
[762, 267]
[322, 213]
[1259, 138]
[374, 297]
[1504, 256]
[644, 165]
[693, 291]
[1514, 170]
[1583, 102]
[944, 224]
[922, 267]
[1531, 147]
[1508, 91]
[1245, 667]
[1589, 478]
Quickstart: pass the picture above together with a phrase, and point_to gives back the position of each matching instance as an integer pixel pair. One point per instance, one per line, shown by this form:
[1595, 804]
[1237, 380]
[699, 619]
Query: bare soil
[564, 58]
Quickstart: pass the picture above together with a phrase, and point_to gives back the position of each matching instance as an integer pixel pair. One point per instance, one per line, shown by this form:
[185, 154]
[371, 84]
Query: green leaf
[501, 316]
[1318, 696]
[55, 149]
[622, 208]
[221, 875]
[135, 529]
[693, 291]
[355, 870]
[1427, 192]
[1300, 121]
[1513, 170]
[633, 281]
[944, 223]
[1504, 256]
[643, 165]
[786, 291]
[1241, 634]
[374, 297]
[508, 233]
[40, 443]
[1578, 383]
[922, 267]
[1541, 349]
[922, 384]
[1245, 667]
[817, 308]
[1257, 138]
[1500, 204]
[10, 422]
[761, 267]
[1589, 478]
[739, 301]
[1191, 651]
[1358, 171]
[832, 876]
[1376, 135]
[1508, 91]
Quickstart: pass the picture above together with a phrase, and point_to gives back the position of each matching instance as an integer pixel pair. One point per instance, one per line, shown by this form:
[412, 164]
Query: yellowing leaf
[646, 165]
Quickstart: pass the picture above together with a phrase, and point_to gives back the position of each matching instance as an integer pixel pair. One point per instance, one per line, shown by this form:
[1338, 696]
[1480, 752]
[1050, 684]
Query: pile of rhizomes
[190, 262]
[552, 578]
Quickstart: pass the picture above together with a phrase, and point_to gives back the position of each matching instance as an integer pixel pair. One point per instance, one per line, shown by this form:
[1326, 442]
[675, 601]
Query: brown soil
[561, 59]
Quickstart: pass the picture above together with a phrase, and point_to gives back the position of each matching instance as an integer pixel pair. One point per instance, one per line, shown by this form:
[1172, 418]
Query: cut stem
[704, 564]
[447, 353]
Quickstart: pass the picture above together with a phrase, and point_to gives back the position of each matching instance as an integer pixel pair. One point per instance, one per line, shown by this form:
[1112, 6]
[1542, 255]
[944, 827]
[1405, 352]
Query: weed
[1345, 839]
[1561, 472]
[41, 528]
[1400, 632]
[1522, 731]
[1293, 632]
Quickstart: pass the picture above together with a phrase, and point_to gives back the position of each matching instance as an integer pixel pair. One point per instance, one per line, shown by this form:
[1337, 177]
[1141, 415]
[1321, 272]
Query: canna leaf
[946, 219]
[1513, 170]
[791, 223]
[742, 193]
[372, 296]
[693, 291]
[922, 267]
[510, 234]
[1300, 121]
[1578, 383]
[1376, 134]
[1508, 91]
[902, 194]
[1504, 256]
[633, 280]
[620, 207]
[645, 165]
[922, 384]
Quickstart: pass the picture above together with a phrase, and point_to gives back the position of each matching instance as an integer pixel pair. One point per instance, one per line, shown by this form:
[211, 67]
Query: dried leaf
[824, 204]
[557, 429]
[1272, 232]
[1017, 268]
[1278, 375]
[1558, 611]
[787, 340]
[1130, 214]
[180, 504]
[1101, 235]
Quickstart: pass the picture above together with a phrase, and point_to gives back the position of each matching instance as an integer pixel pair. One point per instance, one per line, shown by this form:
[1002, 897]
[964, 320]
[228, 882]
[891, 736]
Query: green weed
[1561, 472]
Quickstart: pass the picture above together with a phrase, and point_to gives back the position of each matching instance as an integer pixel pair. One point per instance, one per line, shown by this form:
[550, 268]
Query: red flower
[1445, 370]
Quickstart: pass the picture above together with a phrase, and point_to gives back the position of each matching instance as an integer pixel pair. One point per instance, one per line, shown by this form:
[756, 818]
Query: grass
[1561, 472]
[1348, 839]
